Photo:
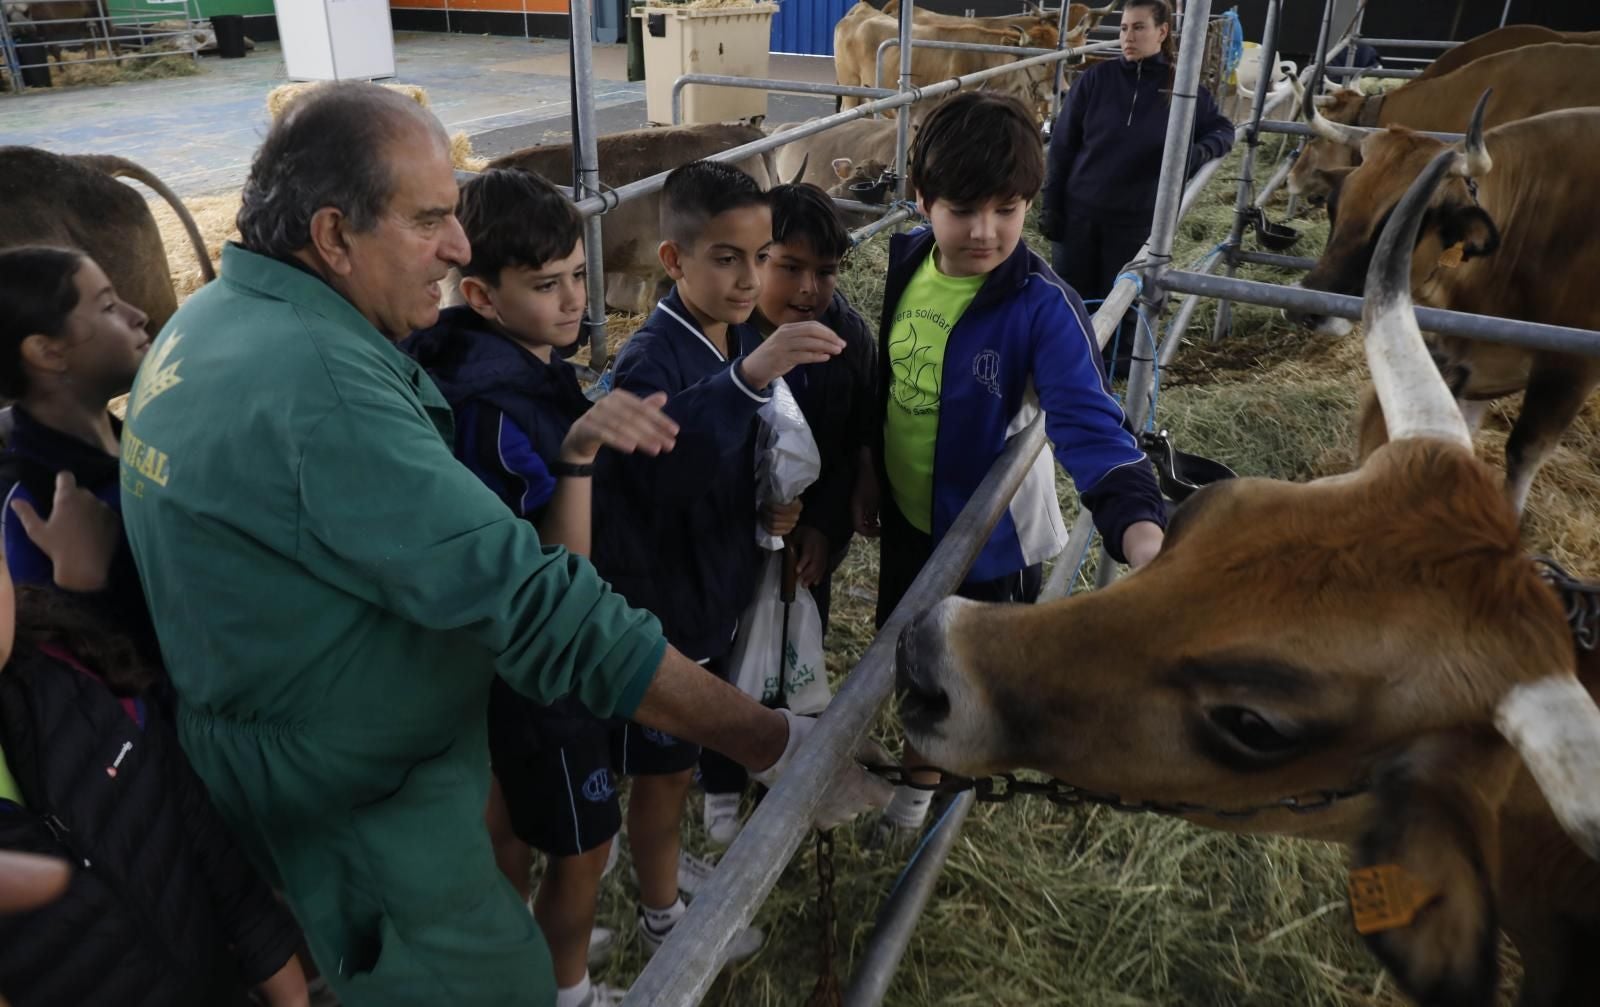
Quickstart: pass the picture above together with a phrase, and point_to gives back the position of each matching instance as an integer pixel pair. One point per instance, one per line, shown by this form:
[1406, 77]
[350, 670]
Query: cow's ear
[1471, 227]
[842, 167]
[1422, 877]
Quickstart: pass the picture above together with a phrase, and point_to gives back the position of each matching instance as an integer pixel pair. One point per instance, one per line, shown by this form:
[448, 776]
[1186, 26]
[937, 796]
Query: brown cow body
[633, 231]
[1526, 81]
[75, 201]
[1382, 627]
[856, 152]
[862, 29]
[1529, 254]
[1078, 20]
[1512, 36]
[61, 23]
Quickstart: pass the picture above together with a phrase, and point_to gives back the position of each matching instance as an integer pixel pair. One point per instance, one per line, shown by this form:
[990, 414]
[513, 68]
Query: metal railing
[123, 34]
[766, 84]
[681, 972]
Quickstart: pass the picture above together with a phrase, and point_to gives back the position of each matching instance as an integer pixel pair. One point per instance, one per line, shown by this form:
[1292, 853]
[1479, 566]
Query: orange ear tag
[1451, 257]
[1385, 897]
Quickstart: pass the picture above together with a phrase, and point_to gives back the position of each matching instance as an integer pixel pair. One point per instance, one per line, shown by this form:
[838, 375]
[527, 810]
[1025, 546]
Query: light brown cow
[1382, 627]
[1526, 81]
[831, 161]
[858, 34]
[632, 232]
[1512, 36]
[1516, 242]
[1080, 19]
[75, 200]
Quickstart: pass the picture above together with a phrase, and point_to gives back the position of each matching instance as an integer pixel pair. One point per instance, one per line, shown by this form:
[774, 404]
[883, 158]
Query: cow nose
[921, 700]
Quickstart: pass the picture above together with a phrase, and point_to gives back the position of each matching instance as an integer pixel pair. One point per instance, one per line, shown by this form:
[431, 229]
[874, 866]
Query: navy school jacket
[676, 534]
[1105, 147]
[512, 410]
[1024, 344]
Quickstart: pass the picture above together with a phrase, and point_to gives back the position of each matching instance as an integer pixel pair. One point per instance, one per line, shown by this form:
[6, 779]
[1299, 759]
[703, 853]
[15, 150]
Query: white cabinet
[336, 39]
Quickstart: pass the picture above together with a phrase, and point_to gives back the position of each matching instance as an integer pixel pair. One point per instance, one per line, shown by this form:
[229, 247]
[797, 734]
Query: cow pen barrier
[610, 198]
[133, 28]
[682, 971]
[767, 84]
[595, 199]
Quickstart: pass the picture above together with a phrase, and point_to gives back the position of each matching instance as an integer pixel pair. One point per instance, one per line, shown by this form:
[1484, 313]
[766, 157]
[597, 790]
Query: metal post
[9, 50]
[1252, 138]
[898, 917]
[1315, 84]
[1505, 14]
[902, 129]
[586, 177]
[1353, 36]
[682, 971]
[1061, 68]
[1164, 223]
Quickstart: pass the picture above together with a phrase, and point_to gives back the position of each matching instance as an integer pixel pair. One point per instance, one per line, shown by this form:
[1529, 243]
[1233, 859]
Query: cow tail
[121, 167]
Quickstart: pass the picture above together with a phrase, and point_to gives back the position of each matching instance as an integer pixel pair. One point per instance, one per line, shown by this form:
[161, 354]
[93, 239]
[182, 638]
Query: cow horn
[1415, 401]
[1475, 161]
[801, 173]
[1102, 11]
[1338, 132]
[1555, 726]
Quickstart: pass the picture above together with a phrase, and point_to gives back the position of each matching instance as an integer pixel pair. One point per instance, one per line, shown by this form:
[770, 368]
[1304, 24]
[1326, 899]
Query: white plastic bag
[753, 665]
[787, 459]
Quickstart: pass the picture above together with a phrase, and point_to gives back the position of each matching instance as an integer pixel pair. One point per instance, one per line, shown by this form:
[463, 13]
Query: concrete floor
[199, 133]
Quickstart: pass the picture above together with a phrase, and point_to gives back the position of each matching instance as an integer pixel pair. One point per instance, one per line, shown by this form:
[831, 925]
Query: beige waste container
[733, 41]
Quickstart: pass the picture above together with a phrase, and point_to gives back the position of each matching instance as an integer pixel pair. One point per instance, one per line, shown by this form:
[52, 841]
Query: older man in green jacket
[334, 592]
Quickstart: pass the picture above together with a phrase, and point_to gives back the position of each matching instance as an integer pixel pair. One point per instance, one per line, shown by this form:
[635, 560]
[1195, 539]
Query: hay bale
[284, 95]
[280, 98]
[72, 67]
[461, 154]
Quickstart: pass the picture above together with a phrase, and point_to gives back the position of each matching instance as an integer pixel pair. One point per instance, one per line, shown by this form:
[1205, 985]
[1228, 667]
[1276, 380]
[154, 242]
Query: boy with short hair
[798, 284]
[977, 336]
[677, 534]
[525, 427]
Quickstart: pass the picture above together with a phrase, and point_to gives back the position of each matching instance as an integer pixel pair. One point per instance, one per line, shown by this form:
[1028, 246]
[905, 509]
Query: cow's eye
[1252, 731]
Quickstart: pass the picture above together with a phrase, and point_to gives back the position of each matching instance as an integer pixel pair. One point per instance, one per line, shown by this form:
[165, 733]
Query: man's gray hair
[329, 149]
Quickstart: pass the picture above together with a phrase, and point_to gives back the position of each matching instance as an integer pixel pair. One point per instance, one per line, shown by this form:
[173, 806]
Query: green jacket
[334, 593]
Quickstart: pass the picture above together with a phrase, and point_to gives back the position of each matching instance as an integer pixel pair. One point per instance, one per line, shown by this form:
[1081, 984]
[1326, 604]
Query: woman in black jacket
[162, 909]
[1105, 157]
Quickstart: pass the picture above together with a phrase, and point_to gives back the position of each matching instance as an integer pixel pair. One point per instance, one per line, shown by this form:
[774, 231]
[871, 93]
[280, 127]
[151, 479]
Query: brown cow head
[1321, 162]
[1364, 197]
[1383, 626]
[867, 181]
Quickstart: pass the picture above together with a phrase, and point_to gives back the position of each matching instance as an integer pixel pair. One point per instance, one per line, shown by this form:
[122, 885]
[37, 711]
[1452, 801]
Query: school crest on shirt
[986, 371]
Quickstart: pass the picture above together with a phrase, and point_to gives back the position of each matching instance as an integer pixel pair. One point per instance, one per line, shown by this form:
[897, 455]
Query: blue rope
[1233, 42]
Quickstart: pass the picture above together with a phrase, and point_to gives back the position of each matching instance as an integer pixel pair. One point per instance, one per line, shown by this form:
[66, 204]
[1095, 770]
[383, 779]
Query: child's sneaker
[722, 818]
[693, 872]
